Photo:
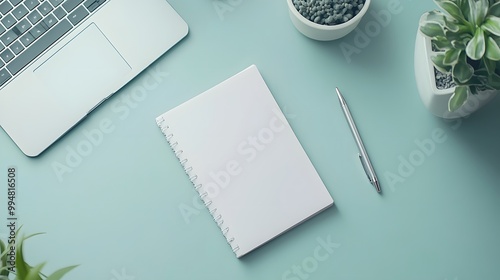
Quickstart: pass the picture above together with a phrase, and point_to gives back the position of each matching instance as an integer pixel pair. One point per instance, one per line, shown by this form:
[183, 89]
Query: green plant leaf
[481, 10]
[3, 260]
[437, 60]
[494, 81]
[472, 13]
[34, 273]
[431, 29]
[476, 47]
[451, 57]
[458, 98]
[465, 8]
[60, 273]
[462, 71]
[473, 90]
[492, 25]
[495, 9]
[441, 43]
[492, 50]
[22, 268]
[459, 44]
[451, 9]
[435, 17]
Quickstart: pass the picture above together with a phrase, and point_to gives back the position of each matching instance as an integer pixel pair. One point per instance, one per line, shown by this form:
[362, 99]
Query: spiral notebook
[245, 161]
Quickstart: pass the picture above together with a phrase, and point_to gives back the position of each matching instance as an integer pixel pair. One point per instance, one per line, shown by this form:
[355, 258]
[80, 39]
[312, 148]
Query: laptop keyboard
[29, 27]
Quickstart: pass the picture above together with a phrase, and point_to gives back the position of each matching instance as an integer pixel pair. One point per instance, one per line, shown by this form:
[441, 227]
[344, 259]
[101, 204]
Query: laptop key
[21, 27]
[15, 2]
[20, 12]
[38, 30]
[16, 48]
[49, 21]
[34, 17]
[69, 5]
[91, 5]
[8, 21]
[60, 13]
[5, 7]
[55, 3]
[78, 15]
[4, 76]
[39, 46]
[27, 39]
[31, 4]
[2, 29]
[7, 55]
[45, 8]
[8, 37]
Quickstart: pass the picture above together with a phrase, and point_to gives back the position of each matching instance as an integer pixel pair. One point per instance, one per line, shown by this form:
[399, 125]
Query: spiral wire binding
[160, 121]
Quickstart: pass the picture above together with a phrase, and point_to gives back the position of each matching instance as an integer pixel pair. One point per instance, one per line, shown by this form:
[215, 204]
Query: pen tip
[376, 184]
[339, 95]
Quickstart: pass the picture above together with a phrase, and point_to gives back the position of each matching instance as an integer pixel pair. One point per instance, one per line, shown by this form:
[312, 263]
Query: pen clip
[365, 168]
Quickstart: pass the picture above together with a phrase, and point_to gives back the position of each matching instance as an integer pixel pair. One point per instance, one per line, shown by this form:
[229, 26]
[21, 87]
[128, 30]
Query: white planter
[436, 100]
[324, 32]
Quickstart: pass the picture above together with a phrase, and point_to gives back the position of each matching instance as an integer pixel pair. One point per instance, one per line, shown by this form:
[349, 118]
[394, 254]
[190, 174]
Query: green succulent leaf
[492, 50]
[60, 273]
[435, 17]
[458, 44]
[432, 29]
[472, 13]
[465, 8]
[480, 10]
[441, 43]
[473, 90]
[476, 47]
[492, 25]
[490, 65]
[462, 71]
[494, 81]
[458, 98]
[475, 80]
[495, 9]
[438, 61]
[451, 57]
[451, 9]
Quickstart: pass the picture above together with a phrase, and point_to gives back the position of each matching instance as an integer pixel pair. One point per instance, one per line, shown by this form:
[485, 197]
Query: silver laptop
[60, 59]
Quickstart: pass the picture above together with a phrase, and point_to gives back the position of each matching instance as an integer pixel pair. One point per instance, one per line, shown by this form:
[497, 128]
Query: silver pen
[363, 155]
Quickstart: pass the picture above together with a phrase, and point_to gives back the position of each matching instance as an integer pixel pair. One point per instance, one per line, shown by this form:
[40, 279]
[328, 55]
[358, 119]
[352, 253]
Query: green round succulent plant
[466, 37]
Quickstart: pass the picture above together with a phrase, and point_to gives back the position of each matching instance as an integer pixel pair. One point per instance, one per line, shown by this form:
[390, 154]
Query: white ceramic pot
[436, 100]
[324, 32]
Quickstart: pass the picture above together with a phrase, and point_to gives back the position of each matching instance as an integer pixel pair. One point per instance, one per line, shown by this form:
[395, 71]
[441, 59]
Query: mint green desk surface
[123, 209]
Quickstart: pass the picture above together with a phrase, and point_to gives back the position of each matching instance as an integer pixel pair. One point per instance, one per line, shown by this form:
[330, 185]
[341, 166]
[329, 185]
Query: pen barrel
[365, 160]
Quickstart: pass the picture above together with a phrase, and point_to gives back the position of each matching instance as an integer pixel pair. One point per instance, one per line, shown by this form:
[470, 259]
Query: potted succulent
[12, 263]
[457, 56]
[326, 20]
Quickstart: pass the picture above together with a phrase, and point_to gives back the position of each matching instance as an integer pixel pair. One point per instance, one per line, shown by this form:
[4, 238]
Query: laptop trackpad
[83, 72]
